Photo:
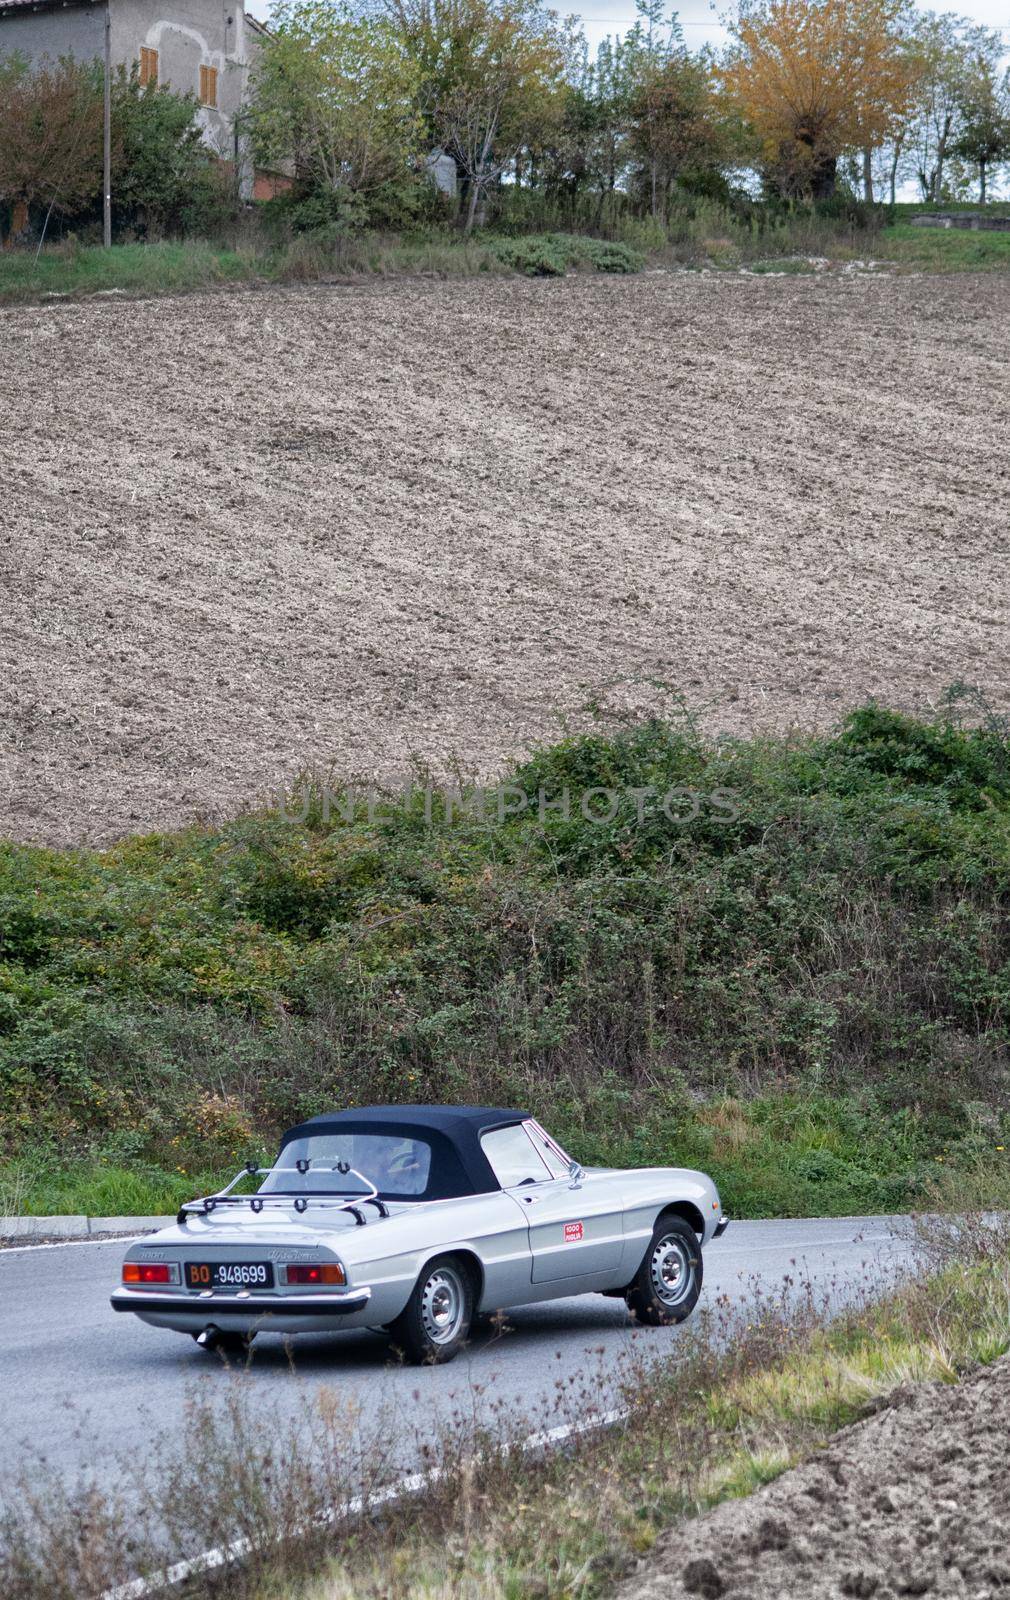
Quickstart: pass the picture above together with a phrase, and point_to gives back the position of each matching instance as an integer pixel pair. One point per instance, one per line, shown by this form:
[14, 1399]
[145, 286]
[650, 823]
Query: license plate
[229, 1275]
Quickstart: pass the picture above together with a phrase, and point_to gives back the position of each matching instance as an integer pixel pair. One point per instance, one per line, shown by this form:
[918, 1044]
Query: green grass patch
[707, 235]
[779, 1155]
[75, 271]
[782, 960]
[944, 249]
[98, 1189]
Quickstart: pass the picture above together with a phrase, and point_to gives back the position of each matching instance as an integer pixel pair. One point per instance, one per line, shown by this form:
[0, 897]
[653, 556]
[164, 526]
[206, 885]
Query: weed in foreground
[309, 1502]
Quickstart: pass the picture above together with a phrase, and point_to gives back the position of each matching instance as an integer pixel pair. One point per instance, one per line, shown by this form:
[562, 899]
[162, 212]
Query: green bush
[550, 255]
[165, 178]
[804, 986]
[408, 207]
[536, 257]
[609, 256]
[322, 212]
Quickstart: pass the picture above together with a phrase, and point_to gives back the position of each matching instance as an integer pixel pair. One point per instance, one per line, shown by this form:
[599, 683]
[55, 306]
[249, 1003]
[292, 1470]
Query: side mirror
[575, 1173]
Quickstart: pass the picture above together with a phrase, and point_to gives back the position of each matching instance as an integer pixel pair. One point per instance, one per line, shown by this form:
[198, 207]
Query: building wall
[441, 169]
[77, 31]
[187, 34]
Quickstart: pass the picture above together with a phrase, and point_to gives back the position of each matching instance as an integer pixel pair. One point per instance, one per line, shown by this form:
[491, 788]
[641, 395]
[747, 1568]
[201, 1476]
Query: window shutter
[148, 65]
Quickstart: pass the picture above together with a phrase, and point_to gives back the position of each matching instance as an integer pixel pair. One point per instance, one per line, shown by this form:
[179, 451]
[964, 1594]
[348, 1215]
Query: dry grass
[753, 1392]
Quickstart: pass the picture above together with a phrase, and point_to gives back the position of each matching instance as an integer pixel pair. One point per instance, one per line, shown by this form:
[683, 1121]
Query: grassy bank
[720, 1428]
[752, 1393]
[128, 268]
[769, 240]
[944, 249]
[75, 271]
[704, 234]
[781, 960]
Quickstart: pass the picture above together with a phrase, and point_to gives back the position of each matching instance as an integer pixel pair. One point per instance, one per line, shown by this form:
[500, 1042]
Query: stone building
[204, 47]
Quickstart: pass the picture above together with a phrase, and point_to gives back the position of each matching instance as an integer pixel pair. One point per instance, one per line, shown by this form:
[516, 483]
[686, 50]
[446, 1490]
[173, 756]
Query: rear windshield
[396, 1165]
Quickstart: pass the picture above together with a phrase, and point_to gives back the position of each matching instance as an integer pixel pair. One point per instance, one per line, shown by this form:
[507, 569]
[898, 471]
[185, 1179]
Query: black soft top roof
[459, 1166]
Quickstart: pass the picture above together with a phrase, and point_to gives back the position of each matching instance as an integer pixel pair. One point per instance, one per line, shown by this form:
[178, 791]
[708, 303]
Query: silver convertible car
[416, 1220]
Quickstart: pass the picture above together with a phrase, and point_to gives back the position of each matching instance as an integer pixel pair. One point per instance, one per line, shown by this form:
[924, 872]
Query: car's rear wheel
[434, 1324]
[667, 1284]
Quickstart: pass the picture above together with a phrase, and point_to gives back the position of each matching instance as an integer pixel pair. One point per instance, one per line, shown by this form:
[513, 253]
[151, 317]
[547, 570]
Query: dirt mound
[914, 1501]
[243, 532]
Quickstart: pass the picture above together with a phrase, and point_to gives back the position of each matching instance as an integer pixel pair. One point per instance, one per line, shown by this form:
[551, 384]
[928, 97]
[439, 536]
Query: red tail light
[324, 1272]
[150, 1272]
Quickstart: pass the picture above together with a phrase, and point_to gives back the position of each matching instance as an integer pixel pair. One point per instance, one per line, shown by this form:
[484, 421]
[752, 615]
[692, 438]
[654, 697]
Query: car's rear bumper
[210, 1306]
[720, 1227]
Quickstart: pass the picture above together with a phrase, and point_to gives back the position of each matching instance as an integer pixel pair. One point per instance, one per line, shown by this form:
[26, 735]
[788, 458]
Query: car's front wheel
[435, 1322]
[667, 1284]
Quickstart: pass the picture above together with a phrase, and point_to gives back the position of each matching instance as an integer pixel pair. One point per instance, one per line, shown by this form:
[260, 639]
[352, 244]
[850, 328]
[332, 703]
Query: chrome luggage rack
[290, 1199]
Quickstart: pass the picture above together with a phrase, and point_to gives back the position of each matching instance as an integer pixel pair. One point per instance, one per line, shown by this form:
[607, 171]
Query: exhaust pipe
[230, 1344]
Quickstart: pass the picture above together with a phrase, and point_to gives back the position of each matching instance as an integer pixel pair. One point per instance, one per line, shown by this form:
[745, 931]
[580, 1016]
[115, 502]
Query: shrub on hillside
[550, 255]
[404, 206]
[829, 922]
[535, 257]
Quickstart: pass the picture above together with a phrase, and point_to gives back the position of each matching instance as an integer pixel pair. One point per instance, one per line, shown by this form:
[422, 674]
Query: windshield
[396, 1165]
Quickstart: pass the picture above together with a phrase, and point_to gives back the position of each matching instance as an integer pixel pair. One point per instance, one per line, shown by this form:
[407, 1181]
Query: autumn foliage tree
[815, 79]
[678, 131]
[50, 135]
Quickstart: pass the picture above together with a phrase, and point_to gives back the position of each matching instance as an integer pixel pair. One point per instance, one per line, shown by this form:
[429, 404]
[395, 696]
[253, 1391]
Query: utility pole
[107, 143]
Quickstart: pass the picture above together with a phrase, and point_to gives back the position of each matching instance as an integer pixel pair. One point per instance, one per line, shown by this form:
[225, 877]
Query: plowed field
[246, 531]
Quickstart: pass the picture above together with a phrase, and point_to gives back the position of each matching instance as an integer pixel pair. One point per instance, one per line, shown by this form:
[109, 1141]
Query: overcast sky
[700, 21]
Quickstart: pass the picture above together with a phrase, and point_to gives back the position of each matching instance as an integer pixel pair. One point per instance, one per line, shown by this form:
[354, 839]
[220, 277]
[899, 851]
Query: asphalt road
[82, 1387]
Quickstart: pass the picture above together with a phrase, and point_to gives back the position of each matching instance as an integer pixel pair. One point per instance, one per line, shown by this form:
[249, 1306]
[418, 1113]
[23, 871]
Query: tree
[641, 117]
[940, 58]
[336, 91]
[601, 105]
[491, 74]
[50, 135]
[162, 167]
[817, 78]
[984, 137]
[678, 131]
[955, 60]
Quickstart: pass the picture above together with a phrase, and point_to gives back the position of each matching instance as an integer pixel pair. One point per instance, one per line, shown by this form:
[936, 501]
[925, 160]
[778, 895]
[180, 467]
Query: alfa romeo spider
[416, 1220]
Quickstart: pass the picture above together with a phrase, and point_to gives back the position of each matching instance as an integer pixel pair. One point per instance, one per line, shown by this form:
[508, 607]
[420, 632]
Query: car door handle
[532, 1199]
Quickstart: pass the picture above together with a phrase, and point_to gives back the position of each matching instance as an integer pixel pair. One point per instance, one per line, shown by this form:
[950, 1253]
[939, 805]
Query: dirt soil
[914, 1501]
[246, 532]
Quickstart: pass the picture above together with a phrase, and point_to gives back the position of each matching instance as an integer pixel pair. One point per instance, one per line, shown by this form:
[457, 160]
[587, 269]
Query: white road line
[224, 1555]
[796, 1250]
[69, 1244]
